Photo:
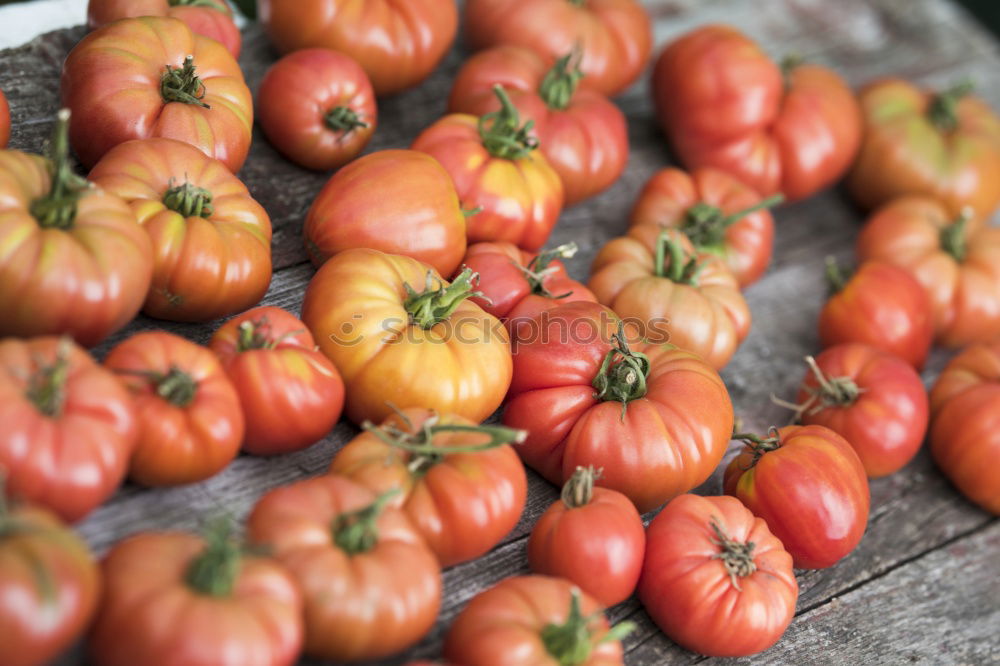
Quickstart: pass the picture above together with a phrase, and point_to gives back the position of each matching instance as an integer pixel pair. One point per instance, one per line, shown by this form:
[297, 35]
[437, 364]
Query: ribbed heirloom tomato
[210, 18]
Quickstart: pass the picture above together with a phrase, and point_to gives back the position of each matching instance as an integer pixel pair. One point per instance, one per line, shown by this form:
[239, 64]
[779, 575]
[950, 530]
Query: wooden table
[923, 586]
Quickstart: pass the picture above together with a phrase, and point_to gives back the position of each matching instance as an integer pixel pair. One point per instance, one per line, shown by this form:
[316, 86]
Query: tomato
[4, 120]
[461, 485]
[719, 214]
[956, 262]
[210, 18]
[49, 586]
[317, 107]
[290, 393]
[396, 201]
[398, 43]
[152, 77]
[614, 36]
[655, 418]
[371, 585]
[211, 239]
[400, 334]
[715, 579]
[177, 598]
[498, 173]
[690, 299]
[965, 434]
[809, 485]
[793, 128]
[590, 530]
[69, 427]
[534, 620]
[942, 144]
[582, 134]
[880, 305]
[190, 421]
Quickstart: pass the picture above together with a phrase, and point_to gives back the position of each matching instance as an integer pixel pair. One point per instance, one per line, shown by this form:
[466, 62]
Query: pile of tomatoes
[435, 303]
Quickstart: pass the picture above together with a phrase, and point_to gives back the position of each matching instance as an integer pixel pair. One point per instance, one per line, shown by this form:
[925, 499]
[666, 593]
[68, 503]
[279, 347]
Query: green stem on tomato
[952, 237]
[579, 489]
[571, 642]
[622, 375]
[343, 119]
[47, 385]
[501, 132]
[942, 110]
[214, 571]
[57, 208]
[680, 269]
[561, 81]
[189, 200]
[706, 224]
[836, 276]
[736, 557]
[435, 304]
[181, 84]
[759, 445]
[538, 270]
[355, 532]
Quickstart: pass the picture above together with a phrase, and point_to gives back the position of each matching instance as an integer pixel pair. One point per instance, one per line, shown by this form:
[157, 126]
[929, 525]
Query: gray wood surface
[922, 586]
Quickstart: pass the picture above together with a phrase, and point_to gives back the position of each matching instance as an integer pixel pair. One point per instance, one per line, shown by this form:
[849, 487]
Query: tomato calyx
[189, 200]
[538, 269]
[355, 532]
[788, 65]
[57, 208]
[175, 386]
[435, 304]
[213, 572]
[952, 237]
[256, 334]
[736, 557]
[181, 84]
[622, 375]
[706, 224]
[579, 489]
[501, 131]
[571, 643]
[837, 276]
[759, 445]
[560, 82]
[343, 119]
[832, 392]
[679, 269]
[942, 110]
[47, 385]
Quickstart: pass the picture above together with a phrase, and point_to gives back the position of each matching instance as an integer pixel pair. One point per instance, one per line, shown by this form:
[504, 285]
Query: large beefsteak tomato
[210, 18]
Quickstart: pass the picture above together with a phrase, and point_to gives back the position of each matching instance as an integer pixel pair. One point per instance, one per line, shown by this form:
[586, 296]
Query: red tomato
[880, 305]
[396, 201]
[461, 485]
[371, 586]
[793, 129]
[152, 77]
[809, 485]
[210, 18]
[4, 120]
[398, 43]
[175, 598]
[190, 421]
[211, 239]
[582, 134]
[317, 107]
[590, 530]
[69, 427]
[656, 419]
[614, 36]
[715, 579]
[534, 620]
[497, 172]
[290, 393]
[719, 214]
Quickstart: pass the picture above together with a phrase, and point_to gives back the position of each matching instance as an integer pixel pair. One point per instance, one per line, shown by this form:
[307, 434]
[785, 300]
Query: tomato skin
[398, 43]
[111, 81]
[725, 104]
[178, 443]
[688, 592]
[396, 201]
[297, 92]
[812, 491]
[213, 21]
[4, 120]
[291, 395]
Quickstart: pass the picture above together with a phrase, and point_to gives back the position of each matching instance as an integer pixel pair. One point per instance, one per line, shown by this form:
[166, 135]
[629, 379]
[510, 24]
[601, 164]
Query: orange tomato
[210, 18]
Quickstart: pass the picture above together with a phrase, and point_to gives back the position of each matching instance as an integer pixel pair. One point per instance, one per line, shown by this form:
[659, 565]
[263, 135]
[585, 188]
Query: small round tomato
[371, 586]
[210, 18]
[809, 485]
[510, 189]
[290, 393]
[4, 120]
[190, 421]
[590, 530]
[880, 305]
[715, 579]
[397, 201]
[317, 107]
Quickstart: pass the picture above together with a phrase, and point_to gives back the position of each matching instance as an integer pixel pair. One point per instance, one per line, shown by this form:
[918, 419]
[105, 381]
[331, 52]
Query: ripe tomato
[498, 173]
[655, 277]
[371, 586]
[396, 201]
[430, 348]
[719, 214]
[398, 43]
[941, 144]
[582, 134]
[152, 77]
[290, 393]
[461, 485]
[656, 419]
[793, 129]
[49, 585]
[176, 598]
[965, 437]
[590, 530]
[4, 120]
[317, 107]
[190, 422]
[715, 579]
[210, 18]
[614, 36]
[69, 427]
[956, 262]
[880, 305]
[809, 485]
[211, 239]
[534, 620]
